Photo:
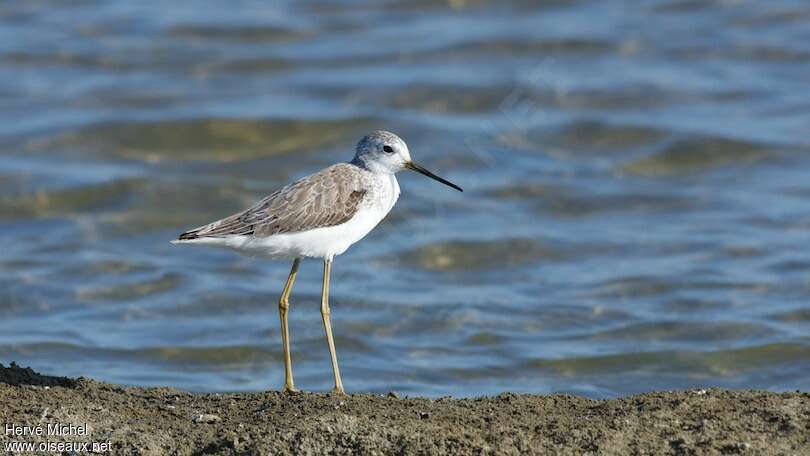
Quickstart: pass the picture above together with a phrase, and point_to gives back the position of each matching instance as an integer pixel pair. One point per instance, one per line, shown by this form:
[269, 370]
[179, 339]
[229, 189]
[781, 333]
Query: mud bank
[169, 421]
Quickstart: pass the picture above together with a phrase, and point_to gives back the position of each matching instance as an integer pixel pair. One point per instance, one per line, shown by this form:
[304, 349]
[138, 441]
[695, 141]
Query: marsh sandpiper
[318, 216]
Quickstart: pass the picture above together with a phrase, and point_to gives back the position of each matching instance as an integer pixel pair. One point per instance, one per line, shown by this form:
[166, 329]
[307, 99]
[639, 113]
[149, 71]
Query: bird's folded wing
[327, 198]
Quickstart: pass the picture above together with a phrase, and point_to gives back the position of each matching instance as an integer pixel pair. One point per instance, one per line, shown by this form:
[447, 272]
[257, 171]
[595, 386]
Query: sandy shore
[169, 421]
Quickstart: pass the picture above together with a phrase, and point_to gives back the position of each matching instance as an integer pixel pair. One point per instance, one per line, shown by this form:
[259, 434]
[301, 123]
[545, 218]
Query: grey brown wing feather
[327, 198]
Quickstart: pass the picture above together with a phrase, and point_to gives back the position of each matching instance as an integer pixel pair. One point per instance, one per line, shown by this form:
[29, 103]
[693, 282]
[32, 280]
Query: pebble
[393, 394]
[207, 418]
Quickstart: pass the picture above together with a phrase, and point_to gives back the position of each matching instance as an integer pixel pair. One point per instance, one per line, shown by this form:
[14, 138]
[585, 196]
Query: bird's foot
[337, 392]
[290, 389]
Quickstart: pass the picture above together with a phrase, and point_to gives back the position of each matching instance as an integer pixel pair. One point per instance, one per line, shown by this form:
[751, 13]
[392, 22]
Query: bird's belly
[323, 242]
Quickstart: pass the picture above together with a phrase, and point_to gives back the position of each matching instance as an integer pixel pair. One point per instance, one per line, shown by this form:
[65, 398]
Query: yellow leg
[327, 324]
[283, 309]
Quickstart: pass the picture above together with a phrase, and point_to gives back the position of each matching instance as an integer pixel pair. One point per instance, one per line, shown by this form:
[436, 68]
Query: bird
[318, 216]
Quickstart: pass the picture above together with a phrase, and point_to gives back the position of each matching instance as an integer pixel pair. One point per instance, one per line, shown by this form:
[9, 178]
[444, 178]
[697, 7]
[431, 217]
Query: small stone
[265, 408]
[207, 418]
[393, 394]
[424, 415]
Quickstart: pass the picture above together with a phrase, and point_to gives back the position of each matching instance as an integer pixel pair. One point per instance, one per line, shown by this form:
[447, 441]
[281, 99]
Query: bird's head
[383, 152]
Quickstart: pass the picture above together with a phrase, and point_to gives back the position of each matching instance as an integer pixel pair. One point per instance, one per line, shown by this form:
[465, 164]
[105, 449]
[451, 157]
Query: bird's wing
[329, 197]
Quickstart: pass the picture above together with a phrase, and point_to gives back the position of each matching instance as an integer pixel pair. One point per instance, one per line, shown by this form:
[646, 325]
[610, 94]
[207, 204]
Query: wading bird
[318, 216]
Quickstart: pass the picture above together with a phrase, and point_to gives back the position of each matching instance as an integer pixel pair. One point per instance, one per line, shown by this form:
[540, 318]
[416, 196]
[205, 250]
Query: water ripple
[635, 211]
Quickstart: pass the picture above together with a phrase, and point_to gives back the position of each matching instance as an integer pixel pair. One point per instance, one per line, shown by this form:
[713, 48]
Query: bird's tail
[187, 236]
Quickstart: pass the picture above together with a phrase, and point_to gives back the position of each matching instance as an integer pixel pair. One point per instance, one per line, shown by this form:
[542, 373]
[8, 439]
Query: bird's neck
[371, 166]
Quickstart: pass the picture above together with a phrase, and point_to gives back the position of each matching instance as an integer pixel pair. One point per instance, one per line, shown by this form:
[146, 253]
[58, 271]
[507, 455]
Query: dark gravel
[169, 421]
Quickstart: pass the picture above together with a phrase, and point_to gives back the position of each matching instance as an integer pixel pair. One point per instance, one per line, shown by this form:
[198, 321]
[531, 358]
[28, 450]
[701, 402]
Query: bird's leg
[283, 308]
[327, 324]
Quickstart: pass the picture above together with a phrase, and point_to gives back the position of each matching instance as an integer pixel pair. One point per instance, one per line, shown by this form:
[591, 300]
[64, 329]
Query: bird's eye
[388, 149]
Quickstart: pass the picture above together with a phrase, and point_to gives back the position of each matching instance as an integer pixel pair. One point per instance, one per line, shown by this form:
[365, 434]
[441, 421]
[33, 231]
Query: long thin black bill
[421, 170]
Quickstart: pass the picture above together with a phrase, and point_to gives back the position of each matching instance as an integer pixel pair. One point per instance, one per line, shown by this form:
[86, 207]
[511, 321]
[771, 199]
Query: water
[635, 218]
